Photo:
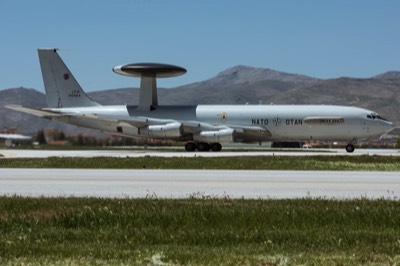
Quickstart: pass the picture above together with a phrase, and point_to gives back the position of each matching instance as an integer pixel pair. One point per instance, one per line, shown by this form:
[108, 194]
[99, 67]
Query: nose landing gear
[350, 148]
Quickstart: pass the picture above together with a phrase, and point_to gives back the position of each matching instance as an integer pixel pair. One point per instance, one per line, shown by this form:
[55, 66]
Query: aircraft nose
[378, 128]
[387, 126]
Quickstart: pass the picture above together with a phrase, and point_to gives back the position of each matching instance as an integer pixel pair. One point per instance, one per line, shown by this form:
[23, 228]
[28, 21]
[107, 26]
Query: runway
[124, 153]
[198, 183]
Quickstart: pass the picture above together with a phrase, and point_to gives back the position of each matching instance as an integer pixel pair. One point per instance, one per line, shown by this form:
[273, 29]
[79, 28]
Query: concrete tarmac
[198, 183]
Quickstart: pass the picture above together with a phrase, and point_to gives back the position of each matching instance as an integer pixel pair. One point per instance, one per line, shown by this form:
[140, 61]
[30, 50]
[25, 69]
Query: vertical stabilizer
[62, 89]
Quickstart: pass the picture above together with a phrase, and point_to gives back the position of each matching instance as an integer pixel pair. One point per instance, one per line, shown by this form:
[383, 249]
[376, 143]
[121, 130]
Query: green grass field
[89, 231]
[348, 163]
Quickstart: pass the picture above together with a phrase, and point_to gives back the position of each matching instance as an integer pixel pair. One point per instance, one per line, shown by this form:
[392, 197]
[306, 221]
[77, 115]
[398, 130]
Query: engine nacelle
[223, 135]
[171, 130]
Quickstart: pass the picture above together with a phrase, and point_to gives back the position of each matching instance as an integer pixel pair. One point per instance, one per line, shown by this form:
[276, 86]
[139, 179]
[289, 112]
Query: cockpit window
[376, 116]
[381, 118]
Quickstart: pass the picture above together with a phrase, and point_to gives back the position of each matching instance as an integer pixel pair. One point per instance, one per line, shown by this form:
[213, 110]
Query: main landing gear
[203, 146]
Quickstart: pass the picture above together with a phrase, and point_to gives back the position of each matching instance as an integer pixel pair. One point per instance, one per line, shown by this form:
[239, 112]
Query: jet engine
[223, 135]
[170, 130]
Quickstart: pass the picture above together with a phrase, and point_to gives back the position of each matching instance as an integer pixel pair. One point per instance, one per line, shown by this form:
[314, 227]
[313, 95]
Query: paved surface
[185, 183]
[168, 153]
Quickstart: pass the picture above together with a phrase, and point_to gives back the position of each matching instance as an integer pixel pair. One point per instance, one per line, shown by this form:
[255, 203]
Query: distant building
[10, 140]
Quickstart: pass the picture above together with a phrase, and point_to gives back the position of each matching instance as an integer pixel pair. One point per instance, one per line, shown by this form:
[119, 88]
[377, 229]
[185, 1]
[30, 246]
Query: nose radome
[389, 124]
[386, 126]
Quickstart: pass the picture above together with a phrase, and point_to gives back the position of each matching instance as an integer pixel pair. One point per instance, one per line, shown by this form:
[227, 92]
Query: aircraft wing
[239, 133]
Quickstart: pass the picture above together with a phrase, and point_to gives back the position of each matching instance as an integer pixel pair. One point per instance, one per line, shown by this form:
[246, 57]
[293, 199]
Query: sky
[318, 38]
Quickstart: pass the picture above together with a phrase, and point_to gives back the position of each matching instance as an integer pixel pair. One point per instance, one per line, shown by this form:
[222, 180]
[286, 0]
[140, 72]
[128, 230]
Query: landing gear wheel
[190, 146]
[216, 147]
[350, 148]
[202, 146]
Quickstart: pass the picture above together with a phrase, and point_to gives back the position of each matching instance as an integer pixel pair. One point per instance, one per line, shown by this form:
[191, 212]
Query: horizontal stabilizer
[34, 111]
[45, 113]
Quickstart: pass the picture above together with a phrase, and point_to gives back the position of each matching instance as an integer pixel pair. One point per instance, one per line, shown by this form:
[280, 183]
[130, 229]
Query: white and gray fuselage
[284, 122]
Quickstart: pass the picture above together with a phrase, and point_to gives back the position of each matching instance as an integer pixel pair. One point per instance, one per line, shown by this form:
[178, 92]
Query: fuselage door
[365, 127]
[223, 117]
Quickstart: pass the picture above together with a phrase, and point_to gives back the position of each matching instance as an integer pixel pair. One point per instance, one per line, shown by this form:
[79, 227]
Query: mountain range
[236, 85]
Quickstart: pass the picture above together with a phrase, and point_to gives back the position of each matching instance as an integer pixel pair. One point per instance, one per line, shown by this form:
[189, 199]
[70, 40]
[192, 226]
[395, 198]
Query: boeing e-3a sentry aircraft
[203, 127]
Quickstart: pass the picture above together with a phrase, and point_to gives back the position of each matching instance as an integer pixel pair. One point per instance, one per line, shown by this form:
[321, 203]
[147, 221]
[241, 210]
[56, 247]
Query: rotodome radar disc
[149, 69]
